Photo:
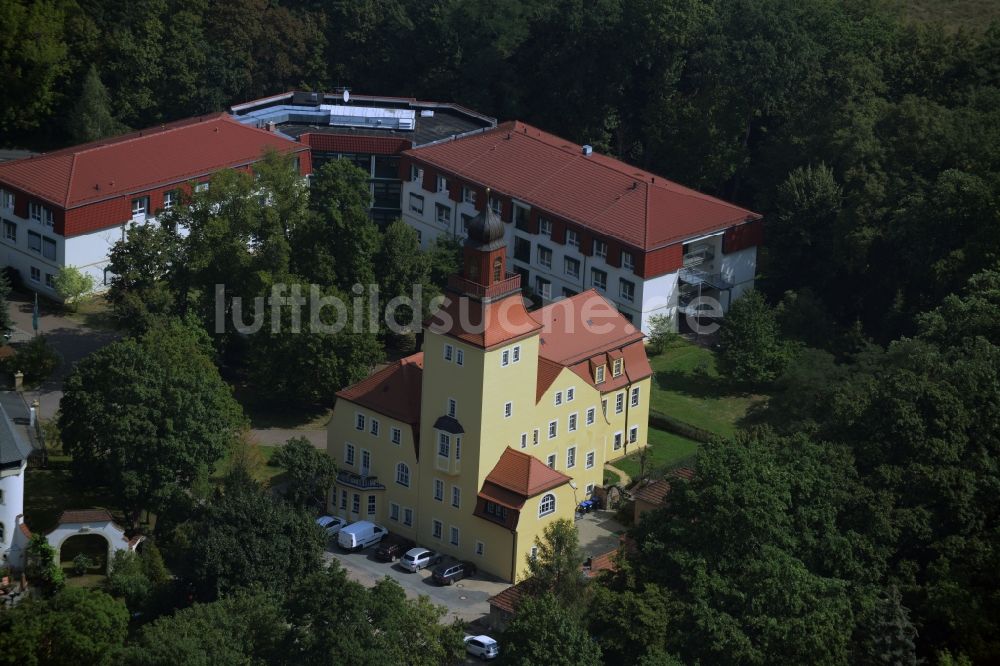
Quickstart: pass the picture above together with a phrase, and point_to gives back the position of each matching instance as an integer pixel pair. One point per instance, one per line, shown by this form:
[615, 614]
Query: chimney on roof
[270, 126]
[587, 149]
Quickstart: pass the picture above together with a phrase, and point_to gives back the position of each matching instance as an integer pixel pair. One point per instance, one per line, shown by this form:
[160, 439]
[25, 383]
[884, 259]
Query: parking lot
[468, 599]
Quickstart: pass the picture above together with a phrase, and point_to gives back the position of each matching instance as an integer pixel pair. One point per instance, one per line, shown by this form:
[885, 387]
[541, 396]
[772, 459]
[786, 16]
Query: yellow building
[500, 425]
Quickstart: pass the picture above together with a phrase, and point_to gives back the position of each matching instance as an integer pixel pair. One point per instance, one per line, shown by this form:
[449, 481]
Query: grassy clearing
[687, 386]
[666, 450]
[93, 312]
[973, 15]
[264, 472]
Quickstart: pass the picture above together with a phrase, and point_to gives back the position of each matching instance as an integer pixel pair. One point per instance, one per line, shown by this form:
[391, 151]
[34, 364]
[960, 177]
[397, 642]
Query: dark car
[392, 548]
[449, 572]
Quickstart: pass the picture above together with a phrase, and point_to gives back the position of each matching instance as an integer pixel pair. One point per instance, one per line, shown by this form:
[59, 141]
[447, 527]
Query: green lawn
[665, 450]
[972, 15]
[265, 473]
[687, 386]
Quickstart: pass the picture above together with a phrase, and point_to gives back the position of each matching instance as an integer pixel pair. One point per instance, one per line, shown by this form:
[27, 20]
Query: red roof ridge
[524, 474]
[363, 393]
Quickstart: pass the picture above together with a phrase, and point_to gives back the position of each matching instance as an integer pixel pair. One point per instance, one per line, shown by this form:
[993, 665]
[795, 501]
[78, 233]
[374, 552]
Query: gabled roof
[13, 446]
[595, 191]
[142, 160]
[85, 516]
[393, 391]
[524, 475]
[548, 371]
[576, 328]
[485, 325]
[656, 492]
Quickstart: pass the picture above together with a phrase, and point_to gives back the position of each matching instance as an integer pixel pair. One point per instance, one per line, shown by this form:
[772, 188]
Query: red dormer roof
[393, 391]
[597, 192]
[143, 160]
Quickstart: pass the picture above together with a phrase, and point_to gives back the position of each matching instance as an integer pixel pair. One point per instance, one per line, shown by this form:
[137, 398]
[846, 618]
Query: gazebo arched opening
[93, 546]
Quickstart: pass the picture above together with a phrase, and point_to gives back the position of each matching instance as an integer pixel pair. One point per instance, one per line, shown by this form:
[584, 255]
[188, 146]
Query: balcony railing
[359, 481]
[510, 283]
[699, 256]
[695, 277]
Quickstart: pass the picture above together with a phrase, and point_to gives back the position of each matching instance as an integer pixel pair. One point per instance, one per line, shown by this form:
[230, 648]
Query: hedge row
[670, 424]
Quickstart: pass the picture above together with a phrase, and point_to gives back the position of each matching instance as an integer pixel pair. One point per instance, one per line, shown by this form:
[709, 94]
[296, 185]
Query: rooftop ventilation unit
[587, 150]
[366, 116]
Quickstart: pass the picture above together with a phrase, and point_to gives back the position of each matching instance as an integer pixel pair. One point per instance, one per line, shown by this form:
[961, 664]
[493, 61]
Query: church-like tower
[14, 452]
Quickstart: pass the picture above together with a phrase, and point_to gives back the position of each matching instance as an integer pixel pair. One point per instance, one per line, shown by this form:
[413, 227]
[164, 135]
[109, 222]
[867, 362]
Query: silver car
[416, 559]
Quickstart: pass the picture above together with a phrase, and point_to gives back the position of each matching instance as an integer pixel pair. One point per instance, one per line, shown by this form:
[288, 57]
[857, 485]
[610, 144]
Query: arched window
[547, 505]
[497, 269]
[403, 474]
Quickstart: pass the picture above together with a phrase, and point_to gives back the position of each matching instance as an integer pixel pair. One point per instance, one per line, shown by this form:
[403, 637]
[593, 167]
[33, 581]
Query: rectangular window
[201, 187]
[444, 445]
[6, 199]
[571, 457]
[505, 358]
[590, 460]
[449, 351]
[50, 280]
[508, 409]
[558, 398]
[524, 440]
[616, 369]
[544, 226]
[618, 441]
[140, 206]
[35, 211]
[371, 505]
[458, 448]
[359, 421]
[600, 249]
[551, 461]
[466, 221]
[534, 437]
[442, 214]
[515, 354]
[496, 206]
[452, 407]
[169, 199]
[599, 374]
[416, 173]
[628, 263]
[375, 427]
[34, 242]
[590, 416]
[619, 403]
[459, 357]
[635, 396]
[570, 394]
[543, 287]
[598, 279]
[394, 511]
[454, 535]
[416, 203]
[366, 461]
[343, 500]
[468, 195]
[572, 422]
[356, 503]
[627, 290]
[439, 490]
[633, 434]
[396, 435]
[572, 238]
[553, 429]
[590, 489]
[10, 231]
[456, 496]
[436, 528]
[544, 257]
[48, 248]
[521, 217]
[442, 184]
[480, 548]
[407, 516]
[572, 267]
[349, 454]
[522, 249]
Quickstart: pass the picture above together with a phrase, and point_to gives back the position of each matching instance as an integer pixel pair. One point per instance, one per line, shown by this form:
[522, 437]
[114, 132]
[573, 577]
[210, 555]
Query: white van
[360, 535]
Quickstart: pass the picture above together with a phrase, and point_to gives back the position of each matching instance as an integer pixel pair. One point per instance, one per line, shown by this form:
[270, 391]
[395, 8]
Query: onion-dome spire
[486, 230]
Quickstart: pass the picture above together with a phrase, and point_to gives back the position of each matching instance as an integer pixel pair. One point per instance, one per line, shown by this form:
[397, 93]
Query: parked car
[449, 572]
[393, 547]
[331, 524]
[360, 535]
[483, 647]
[416, 559]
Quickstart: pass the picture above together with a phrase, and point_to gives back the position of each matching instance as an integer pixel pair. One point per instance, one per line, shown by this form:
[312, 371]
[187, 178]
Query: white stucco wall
[111, 532]
[739, 268]
[11, 506]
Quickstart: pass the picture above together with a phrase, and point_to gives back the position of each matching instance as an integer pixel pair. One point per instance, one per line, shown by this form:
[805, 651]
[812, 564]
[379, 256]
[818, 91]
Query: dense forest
[855, 520]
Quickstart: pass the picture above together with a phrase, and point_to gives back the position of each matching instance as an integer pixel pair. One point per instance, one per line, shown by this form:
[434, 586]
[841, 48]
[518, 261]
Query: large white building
[577, 220]
[69, 207]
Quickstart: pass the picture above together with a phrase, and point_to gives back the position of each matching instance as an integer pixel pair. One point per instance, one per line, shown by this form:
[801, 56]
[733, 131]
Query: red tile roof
[596, 191]
[507, 600]
[85, 516]
[548, 371]
[653, 493]
[576, 328]
[393, 391]
[524, 474]
[142, 160]
[486, 325]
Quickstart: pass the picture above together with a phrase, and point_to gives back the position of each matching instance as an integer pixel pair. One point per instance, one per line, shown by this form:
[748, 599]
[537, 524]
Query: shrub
[35, 358]
[81, 563]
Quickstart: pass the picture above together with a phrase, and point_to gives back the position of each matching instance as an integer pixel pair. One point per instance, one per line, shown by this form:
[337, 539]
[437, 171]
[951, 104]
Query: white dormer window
[572, 238]
[544, 226]
[600, 249]
[599, 374]
[40, 213]
[468, 195]
[442, 184]
[616, 369]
